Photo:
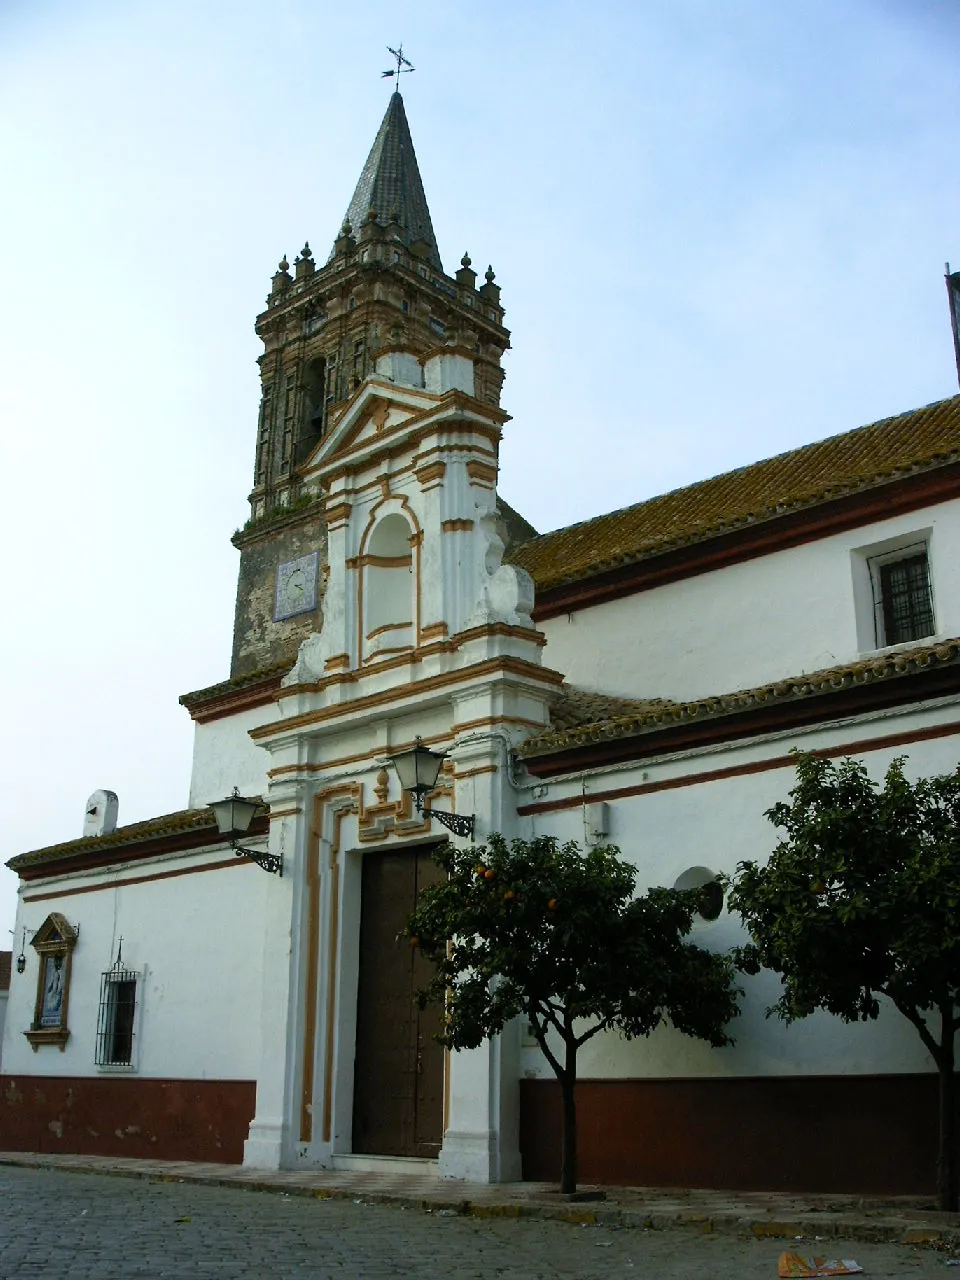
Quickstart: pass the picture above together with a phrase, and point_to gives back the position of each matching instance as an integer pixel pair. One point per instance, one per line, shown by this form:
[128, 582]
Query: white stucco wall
[718, 824]
[196, 942]
[780, 615]
[4, 996]
[224, 757]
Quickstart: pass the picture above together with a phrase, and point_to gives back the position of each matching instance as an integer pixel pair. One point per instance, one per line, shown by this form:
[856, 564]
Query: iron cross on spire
[404, 67]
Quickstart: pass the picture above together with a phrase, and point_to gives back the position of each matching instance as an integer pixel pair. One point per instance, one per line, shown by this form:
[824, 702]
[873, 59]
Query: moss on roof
[642, 717]
[167, 824]
[843, 464]
[261, 676]
[573, 708]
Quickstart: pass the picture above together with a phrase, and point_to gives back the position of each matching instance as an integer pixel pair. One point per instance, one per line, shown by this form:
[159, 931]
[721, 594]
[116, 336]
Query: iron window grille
[906, 603]
[115, 1025]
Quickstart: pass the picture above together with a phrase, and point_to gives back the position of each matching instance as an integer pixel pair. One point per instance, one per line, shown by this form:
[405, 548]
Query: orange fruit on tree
[489, 873]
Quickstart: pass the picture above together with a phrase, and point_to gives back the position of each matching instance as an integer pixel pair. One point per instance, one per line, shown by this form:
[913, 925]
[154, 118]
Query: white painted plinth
[477, 1157]
[263, 1149]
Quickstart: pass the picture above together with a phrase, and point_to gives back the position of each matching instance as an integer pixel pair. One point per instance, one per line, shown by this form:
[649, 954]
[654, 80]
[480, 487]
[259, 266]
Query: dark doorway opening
[398, 1071]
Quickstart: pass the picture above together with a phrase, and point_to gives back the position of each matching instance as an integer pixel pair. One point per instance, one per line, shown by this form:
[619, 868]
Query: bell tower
[381, 301]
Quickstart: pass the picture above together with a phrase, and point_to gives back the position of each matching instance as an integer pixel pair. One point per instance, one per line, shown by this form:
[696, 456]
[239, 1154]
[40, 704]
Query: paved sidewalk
[905, 1220]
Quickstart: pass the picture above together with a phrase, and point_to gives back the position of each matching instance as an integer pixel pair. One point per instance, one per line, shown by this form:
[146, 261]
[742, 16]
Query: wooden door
[398, 1071]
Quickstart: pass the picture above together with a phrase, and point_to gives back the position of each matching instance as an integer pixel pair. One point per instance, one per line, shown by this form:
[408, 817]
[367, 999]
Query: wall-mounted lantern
[21, 958]
[233, 817]
[418, 770]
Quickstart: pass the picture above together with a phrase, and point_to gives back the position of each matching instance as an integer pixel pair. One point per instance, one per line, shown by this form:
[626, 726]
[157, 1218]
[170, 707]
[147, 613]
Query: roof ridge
[838, 465]
[747, 466]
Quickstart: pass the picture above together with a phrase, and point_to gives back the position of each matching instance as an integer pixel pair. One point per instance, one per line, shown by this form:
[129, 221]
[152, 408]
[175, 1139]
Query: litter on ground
[794, 1266]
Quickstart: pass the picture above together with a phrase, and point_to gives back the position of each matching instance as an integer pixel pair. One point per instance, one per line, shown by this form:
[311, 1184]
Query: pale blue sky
[719, 225]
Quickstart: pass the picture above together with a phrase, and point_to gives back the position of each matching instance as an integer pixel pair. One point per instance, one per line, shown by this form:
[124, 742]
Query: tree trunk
[568, 1084]
[947, 1145]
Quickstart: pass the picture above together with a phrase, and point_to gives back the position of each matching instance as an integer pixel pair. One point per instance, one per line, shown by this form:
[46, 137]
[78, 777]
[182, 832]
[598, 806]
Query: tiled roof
[574, 708]
[570, 730]
[167, 824]
[6, 958]
[390, 184]
[237, 684]
[884, 451]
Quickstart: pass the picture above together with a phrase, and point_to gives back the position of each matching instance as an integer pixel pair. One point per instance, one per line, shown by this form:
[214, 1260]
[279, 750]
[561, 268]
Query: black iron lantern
[418, 770]
[233, 817]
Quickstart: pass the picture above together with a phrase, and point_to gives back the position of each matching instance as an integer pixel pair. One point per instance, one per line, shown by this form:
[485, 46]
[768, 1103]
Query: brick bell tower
[383, 289]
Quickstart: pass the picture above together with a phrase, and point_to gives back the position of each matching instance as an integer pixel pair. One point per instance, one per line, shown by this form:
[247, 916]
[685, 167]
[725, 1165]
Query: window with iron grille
[115, 1025]
[904, 602]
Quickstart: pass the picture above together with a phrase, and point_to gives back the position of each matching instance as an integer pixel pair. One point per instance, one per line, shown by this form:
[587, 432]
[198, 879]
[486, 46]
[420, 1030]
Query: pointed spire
[390, 184]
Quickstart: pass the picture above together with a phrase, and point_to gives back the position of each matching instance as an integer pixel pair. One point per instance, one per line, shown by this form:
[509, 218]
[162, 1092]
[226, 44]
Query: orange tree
[546, 931]
[860, 901]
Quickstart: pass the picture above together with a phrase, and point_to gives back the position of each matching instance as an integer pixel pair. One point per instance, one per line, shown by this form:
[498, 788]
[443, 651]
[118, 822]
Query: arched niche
[389, 587]
[705, 879]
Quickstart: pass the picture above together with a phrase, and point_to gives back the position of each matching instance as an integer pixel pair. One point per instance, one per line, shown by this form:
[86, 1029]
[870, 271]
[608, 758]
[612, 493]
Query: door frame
[343, 1022]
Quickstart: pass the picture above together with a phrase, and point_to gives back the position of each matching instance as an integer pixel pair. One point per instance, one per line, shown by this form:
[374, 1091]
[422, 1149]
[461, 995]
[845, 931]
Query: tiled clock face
[296, 587]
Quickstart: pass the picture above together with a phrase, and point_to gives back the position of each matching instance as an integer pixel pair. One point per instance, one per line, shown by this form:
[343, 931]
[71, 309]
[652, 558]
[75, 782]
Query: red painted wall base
[127, 1116]
[856, 1134]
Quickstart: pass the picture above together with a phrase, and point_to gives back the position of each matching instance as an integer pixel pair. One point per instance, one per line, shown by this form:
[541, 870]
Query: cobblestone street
[92, 1227]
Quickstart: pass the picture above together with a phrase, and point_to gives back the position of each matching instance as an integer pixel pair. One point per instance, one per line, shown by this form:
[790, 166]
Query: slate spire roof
[390, 184]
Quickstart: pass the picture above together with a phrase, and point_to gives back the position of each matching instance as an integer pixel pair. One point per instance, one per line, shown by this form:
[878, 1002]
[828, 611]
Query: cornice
[499, 666]
[332, 277]
[237, 694]
[265, 528]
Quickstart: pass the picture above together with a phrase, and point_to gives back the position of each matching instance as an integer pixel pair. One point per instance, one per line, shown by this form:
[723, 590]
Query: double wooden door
[398, 1071]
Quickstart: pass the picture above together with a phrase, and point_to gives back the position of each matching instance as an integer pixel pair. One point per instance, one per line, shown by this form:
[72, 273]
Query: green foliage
[277, 514]
[858, 901]
[860, 897]
[553, 933]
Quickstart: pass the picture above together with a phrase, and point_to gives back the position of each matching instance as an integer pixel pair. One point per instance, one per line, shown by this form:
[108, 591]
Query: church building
[640, 678]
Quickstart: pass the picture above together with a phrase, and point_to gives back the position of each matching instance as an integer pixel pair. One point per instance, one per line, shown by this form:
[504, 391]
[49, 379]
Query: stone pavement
[154, 1225]
[763, 1215]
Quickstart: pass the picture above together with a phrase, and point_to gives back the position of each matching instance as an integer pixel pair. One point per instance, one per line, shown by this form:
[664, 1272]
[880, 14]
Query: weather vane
[404, 67]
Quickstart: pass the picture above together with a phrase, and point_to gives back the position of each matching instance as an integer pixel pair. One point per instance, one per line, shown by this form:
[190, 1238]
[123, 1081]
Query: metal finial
[404, 67]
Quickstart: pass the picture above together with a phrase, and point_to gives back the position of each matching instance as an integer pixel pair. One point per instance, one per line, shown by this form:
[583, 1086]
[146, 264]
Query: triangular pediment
[378, 409]
[55, 933]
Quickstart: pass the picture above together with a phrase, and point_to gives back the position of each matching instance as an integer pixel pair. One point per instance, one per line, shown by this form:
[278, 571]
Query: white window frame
[131, 1067]
[866, 563]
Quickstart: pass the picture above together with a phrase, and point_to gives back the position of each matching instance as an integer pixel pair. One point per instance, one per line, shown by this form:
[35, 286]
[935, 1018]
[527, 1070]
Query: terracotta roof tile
[573, 708]
[886, 450]
[262, 675]
[135, 832]
[650, 716]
